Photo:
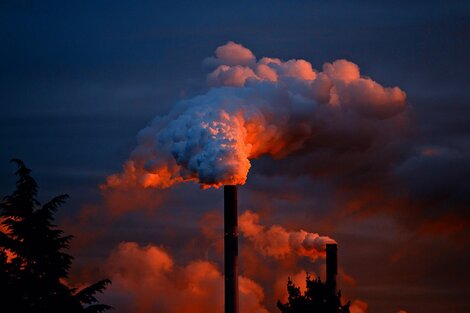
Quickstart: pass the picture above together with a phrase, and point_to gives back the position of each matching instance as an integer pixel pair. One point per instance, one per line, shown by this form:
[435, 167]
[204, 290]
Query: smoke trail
[278, 242]
[253, 108]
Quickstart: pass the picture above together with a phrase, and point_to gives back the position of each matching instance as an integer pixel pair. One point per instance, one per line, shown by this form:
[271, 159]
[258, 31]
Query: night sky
[80, 79]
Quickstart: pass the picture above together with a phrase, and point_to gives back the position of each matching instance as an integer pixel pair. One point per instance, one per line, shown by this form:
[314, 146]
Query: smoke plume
[278, 242]
[253, 108]
[146, 279]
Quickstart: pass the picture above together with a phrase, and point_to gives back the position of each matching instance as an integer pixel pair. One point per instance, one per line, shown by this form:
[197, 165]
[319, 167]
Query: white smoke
[278, 242]
[254, 108]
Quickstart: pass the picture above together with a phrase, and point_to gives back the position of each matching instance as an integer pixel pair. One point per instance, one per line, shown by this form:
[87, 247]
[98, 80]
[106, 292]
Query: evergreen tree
[33, 263]
[318, 298]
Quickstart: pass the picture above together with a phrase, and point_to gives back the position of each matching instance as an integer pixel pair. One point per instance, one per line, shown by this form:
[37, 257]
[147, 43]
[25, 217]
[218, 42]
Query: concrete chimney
[331, 266]
[231, 248]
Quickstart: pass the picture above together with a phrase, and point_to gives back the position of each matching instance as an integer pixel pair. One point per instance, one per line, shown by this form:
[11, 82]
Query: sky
[79, 80]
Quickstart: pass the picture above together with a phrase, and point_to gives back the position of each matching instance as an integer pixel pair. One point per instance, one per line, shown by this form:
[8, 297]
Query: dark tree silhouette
[318, 298]
[33, 264]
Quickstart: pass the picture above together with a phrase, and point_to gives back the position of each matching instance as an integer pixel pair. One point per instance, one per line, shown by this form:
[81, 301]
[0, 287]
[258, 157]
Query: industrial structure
[231, 248]
[331, 266]
[231, 253]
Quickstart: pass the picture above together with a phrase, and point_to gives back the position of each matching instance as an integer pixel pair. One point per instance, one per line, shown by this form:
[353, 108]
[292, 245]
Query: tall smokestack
[331, 266]
[231, 248]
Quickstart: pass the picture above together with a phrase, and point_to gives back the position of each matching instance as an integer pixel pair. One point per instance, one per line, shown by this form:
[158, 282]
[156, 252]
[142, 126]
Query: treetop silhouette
[318, 298]
[33, 263]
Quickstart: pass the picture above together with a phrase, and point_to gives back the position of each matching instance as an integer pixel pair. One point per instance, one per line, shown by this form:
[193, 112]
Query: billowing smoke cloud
[278, 242]
[146, 279]
[253, 108]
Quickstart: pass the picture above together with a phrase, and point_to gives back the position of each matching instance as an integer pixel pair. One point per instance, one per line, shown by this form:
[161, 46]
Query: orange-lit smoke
[278, 242]
[254, 108]
[146, 279]
[358, 306]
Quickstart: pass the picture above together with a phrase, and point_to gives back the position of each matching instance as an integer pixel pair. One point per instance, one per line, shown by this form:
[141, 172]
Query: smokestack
[231, 248]
[331, 266]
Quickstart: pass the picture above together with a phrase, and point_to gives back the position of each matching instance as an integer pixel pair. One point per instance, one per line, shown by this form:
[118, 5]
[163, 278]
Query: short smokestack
[231, 248]
[331, 266]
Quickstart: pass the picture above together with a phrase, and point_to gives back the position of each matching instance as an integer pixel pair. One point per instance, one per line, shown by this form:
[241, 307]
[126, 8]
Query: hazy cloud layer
[146, 279]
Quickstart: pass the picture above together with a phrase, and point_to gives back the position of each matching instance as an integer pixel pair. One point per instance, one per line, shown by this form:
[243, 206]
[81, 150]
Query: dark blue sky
[79, 79]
